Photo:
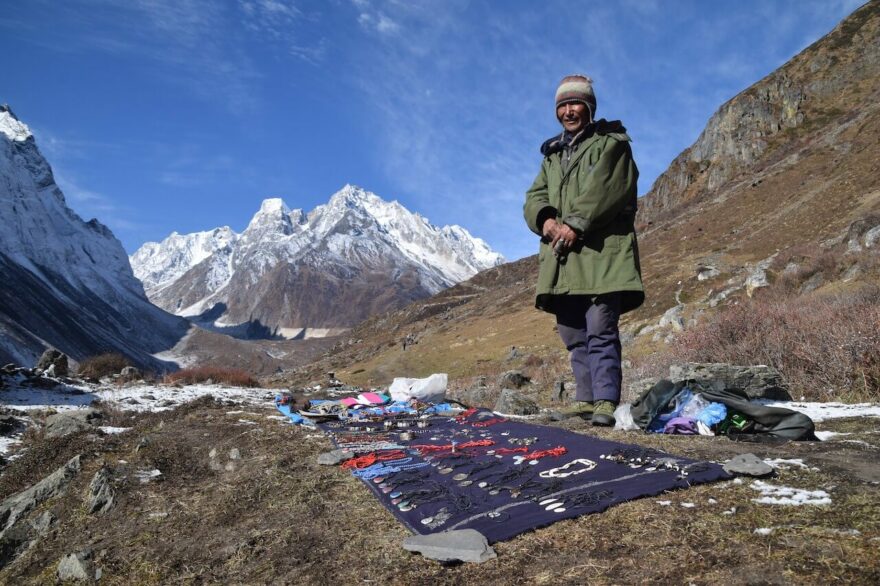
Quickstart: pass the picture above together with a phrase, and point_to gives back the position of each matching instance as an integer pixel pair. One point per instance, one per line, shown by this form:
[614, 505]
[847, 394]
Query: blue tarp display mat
[507, 514]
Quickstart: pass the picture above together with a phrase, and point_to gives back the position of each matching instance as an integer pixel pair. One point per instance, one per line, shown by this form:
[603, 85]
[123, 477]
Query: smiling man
[583, 206]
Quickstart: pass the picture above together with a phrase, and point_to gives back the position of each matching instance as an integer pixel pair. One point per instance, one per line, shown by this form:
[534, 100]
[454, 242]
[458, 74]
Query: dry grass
[826, 347]
[102, 365]
[212, 374]
[277, 517]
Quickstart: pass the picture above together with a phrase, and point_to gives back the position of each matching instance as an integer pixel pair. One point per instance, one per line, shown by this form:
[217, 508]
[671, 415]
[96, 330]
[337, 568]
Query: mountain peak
[11, 126]
[355, 247]
[273, 205]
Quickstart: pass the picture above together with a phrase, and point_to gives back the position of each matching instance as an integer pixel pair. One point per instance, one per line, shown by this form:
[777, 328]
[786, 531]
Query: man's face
[573, 116]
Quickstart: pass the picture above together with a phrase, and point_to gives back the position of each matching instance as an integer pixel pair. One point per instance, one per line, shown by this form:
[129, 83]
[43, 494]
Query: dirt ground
[273, 515]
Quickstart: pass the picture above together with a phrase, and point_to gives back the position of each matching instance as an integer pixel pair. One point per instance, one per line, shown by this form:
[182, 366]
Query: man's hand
[558, 232]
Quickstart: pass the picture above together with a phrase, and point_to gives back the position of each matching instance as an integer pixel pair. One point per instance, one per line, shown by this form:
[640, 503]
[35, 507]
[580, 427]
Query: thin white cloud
[376, 20]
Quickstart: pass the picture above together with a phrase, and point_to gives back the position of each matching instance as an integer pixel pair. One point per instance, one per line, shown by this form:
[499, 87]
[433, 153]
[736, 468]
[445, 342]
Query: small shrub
[827, 348]
[218, 374]
[102, 365]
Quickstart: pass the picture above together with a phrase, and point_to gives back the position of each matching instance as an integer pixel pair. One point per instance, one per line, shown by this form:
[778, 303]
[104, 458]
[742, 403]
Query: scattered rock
[706, 272]
[334, 457]
[758, 382]
[852, 272]
[76, 566]
[68, 422]
[214, 461]
[55, 360]
[16, 536]
[637, 388]
[756, 280]
[558, 393]
[146, 476]
[9, 424]
[513, 379]
[512, 402]
[131, 373]
[101, 493]
[9, 369]
[143, 443]
[475, 396]
[871, 237]
[43, 523]
[234, 454]
[812, 283]
[748, 465]
[672, 318]
[466, 545]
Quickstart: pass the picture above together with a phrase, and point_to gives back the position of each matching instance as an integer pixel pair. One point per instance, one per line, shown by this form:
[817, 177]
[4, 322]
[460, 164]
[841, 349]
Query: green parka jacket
[596, 196]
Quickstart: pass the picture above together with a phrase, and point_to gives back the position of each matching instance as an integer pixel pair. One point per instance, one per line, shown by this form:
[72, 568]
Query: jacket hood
[601, 127]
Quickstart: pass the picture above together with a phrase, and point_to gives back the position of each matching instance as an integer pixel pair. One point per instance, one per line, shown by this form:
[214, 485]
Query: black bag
[775, 422]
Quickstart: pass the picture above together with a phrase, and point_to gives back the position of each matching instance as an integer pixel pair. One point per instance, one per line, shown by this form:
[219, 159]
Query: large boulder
[68, 422]
[53, 363]
[758, 382]
[512, 402]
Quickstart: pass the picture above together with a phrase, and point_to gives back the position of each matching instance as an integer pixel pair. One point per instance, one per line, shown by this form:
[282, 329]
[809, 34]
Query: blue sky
[164, 115]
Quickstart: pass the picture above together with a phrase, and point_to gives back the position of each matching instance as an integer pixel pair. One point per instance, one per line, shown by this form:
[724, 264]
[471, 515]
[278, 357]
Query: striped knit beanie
[576, 88]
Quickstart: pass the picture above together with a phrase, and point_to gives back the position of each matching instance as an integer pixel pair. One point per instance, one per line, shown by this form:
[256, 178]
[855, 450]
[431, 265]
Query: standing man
[583, 206]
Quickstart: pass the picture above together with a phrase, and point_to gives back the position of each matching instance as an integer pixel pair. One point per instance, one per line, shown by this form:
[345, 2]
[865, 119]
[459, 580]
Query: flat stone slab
[748, 465]
[466, 545]
[334, 457]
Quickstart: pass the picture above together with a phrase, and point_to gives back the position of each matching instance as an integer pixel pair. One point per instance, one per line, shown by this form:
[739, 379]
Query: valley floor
[239, 498]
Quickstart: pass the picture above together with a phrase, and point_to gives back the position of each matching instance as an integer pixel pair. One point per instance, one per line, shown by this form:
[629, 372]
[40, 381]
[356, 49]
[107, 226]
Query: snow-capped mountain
[292, 274]
[65, 282]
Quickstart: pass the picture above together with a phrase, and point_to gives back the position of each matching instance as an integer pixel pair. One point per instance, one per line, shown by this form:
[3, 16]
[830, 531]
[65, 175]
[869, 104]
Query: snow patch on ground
[825, 411]
[785, 495]
[784, 464]
[147, 475]
[111, 430]
[827, 435]
[132, 398]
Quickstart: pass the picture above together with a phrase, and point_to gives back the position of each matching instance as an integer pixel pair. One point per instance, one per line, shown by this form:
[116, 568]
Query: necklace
[574, 467]
[533, 457]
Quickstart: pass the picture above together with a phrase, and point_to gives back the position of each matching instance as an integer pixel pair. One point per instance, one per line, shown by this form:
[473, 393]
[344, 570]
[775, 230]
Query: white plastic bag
[427, 390]
[623, 418]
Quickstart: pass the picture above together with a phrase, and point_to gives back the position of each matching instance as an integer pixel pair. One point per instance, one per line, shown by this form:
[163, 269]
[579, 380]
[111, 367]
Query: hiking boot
[582, 409]
[603, 413]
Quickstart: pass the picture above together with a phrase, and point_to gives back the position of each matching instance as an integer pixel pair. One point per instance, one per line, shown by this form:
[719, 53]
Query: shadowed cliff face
[64, 282]
[816, 93]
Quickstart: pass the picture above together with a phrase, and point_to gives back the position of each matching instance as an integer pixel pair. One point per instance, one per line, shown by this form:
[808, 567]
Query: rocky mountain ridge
[756, 127]
[295, 274]
[67, 283]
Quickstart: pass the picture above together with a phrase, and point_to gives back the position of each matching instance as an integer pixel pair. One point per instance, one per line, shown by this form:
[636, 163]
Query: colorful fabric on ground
[479, 477]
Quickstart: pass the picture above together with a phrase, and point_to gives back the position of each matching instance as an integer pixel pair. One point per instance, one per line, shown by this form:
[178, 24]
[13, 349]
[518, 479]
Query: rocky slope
[805, 105]
[294, 274]
[65, 282]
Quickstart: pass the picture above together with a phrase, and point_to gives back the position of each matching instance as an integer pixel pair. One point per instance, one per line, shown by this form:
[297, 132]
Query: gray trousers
[589, 331]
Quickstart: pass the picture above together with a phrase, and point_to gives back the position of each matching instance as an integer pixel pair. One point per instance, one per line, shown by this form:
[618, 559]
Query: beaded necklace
[372, 458]
[533, 457]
